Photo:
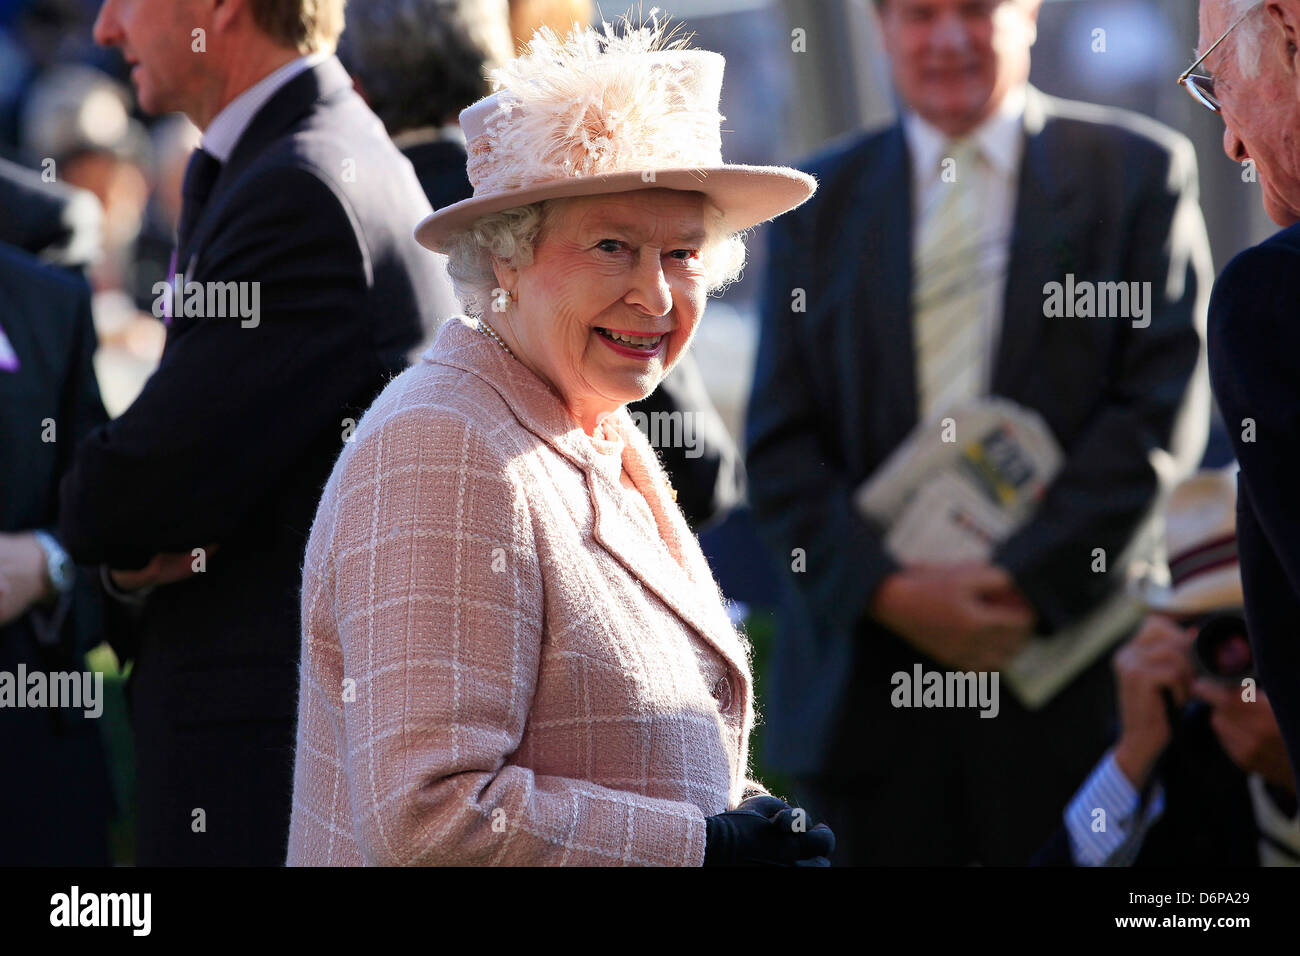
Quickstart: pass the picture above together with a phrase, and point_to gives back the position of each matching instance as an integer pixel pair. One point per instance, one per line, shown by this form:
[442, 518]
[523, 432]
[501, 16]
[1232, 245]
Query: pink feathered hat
[598, 113]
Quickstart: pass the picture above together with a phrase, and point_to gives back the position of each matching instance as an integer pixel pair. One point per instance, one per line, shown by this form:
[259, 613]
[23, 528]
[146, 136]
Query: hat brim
[1215, 591]
[747, 196]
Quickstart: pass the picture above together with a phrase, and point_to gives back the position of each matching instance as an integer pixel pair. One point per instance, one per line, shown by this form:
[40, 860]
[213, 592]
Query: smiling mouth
[948, 72]
[645, 343]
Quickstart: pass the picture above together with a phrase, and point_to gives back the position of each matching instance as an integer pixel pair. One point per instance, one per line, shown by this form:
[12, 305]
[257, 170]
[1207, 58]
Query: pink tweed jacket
[503, 662]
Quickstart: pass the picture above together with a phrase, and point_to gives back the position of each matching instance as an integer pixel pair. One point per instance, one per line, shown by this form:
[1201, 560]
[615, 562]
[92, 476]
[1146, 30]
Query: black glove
[746, 837]
[770, 806]
[764, 804]
[823, 838]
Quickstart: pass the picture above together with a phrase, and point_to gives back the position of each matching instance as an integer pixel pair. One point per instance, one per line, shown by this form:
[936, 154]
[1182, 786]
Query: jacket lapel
[672, 566]
[876, 311]
[1045, 219]
[686, 587]
[890, 245]
[289, 105]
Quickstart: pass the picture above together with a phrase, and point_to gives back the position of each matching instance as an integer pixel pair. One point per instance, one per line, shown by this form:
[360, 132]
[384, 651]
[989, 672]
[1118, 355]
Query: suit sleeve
[237, 400]
[1151, 422]
[437, 596]
[81, 408]
[1253, 347]
[801, 497]
[81, 412]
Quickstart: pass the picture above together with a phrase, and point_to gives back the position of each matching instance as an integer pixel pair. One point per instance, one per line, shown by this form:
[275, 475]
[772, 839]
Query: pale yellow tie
[948, 285]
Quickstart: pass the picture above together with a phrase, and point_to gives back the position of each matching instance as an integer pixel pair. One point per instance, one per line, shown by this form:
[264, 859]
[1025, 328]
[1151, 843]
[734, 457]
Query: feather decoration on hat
[599, 101]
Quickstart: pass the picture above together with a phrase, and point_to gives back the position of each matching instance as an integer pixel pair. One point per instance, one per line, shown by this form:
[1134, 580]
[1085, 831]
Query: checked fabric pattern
[536, 676]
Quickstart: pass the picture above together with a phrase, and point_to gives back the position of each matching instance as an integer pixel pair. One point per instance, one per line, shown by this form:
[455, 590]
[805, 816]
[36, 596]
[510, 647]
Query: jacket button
[722, 693]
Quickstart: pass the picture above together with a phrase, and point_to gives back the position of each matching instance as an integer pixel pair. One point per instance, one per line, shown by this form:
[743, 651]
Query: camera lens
[1223, 648]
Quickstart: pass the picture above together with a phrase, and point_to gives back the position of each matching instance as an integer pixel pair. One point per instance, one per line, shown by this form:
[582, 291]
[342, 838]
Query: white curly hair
[511, 234]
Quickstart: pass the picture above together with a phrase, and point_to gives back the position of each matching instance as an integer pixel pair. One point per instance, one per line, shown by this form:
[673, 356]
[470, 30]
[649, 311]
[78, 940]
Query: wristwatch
[57, 562]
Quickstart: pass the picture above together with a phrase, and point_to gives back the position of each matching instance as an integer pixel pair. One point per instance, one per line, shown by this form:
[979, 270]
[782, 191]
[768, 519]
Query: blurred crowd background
[800, 73]
[65, 101]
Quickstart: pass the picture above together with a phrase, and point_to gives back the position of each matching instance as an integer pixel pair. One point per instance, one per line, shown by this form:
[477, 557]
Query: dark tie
[200, 175]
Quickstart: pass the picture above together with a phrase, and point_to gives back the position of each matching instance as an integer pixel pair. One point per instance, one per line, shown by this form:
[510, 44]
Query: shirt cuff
[1102, 820]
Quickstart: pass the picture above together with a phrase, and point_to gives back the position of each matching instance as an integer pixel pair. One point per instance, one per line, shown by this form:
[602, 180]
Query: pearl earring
[501, 299]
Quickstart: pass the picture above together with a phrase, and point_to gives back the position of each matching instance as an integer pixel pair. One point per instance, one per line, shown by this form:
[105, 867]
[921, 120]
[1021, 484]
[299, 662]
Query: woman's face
[627, 264]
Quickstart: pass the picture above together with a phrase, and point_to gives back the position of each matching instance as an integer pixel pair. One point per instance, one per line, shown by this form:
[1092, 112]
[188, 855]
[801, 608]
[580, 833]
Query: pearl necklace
[492, 334]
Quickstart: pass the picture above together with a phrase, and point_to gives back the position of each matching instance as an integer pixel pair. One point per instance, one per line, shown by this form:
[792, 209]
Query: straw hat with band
[1201, 543]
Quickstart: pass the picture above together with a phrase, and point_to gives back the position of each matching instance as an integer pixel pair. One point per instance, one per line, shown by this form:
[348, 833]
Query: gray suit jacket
[1103, 195]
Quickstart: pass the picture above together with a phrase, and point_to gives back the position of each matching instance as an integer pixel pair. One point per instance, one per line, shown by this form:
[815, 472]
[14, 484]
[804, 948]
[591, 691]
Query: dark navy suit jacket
[56, 797]
[230, 444]
[1104, 195]
[1254, 337]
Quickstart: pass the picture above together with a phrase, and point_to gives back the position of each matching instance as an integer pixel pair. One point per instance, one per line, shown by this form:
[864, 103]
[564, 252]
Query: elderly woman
[514, 651]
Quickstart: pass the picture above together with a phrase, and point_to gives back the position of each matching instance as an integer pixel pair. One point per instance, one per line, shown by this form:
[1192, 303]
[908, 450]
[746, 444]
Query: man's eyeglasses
[1202, 87]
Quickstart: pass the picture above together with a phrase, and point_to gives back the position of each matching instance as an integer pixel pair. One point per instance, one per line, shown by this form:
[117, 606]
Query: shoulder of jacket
[838, 168]
[40, 278]
[1111, 126]
[1269, 267]
[1252, 303]
[848, 150]
[1284, 242]
[432, 399]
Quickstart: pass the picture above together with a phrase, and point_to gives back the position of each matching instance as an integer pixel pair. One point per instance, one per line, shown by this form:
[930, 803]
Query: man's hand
[162, 569]
[1156, 659]
[1247, 731]
[24, 575]
[966, 616]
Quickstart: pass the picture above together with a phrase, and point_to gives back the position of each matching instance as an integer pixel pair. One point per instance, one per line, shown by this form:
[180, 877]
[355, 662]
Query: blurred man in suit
[915, 281]
[1248, 74]
[304, 289]
[56, 798]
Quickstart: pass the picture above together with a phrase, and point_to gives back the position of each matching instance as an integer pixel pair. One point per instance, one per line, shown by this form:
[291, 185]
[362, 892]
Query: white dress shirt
[1121, 841]
[223, 133]
[1113, 837]
[1000, 139]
